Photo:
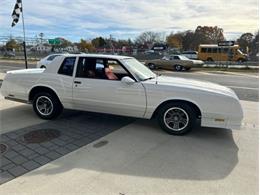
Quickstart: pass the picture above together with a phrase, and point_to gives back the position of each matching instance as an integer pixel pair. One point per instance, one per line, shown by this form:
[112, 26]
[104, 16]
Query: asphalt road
[244, 84]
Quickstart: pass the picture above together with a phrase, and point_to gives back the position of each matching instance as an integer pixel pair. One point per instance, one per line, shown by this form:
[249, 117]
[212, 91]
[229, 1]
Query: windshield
[140, 71]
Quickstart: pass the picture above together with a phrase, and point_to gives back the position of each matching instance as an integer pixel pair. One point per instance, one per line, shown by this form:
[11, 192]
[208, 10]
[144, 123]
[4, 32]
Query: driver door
[98, 94]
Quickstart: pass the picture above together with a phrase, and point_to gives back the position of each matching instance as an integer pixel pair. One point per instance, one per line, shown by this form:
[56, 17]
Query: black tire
[152, 66]
[56, 105]
[178, 67]
[174, 107]
[43, 66]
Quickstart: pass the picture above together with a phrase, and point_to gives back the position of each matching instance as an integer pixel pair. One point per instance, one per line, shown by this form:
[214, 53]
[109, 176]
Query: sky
[87, 19]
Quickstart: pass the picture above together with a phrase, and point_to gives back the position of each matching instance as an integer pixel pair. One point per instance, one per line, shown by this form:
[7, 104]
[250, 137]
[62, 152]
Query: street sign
[226, 43]
[54, 41]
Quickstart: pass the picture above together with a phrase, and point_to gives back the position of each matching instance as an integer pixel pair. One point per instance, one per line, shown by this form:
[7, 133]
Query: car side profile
[173, 62]
[121, 85]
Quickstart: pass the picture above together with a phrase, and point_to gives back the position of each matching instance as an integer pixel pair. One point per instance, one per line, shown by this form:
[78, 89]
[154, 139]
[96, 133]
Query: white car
[191, 54]
[44, 62]
[121, 85]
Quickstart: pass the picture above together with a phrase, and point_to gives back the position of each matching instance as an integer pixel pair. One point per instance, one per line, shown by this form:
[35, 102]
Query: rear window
[67, 66]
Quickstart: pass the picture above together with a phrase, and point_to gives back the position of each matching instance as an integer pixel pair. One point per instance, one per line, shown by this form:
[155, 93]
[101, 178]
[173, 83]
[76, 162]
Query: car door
[64, 81]
[94, 92]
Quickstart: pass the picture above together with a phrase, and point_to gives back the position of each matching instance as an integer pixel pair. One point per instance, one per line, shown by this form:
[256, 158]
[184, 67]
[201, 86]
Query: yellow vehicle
[221, 53]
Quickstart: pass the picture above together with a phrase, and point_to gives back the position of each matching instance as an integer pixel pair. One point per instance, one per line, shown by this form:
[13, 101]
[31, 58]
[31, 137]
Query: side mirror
[127, 80]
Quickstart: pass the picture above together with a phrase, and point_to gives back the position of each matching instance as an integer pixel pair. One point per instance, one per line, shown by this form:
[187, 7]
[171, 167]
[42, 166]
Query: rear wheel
[178, 67]
[176, 118]
[151, 66]
[46, 105]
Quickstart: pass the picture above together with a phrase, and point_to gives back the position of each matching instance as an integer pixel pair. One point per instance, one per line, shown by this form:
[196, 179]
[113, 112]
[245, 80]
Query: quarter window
[67, 66]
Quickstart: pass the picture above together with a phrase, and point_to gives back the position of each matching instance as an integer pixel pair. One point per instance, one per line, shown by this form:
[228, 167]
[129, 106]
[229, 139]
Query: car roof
[97, 56]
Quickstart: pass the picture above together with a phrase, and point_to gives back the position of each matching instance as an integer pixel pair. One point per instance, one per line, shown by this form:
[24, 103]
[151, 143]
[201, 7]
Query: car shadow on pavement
[28, 142]
[142, 149]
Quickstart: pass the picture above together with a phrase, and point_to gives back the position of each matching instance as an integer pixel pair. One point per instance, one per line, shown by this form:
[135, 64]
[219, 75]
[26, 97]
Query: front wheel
[46, 105]
[176, 118]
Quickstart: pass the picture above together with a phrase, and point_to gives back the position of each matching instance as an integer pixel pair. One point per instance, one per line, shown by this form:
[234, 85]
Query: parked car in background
[190, 54]
[86, 82]
[9, 54]
[211, 52]
[44, 62]
[173, 62]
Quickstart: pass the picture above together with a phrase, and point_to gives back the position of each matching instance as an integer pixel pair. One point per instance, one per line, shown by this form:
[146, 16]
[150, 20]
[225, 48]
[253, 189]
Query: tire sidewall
[178, 67]
[55, 102]
[186, 108]
[152, 66]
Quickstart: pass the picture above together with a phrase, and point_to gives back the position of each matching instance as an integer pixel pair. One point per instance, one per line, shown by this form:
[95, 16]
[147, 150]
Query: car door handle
[77, 82]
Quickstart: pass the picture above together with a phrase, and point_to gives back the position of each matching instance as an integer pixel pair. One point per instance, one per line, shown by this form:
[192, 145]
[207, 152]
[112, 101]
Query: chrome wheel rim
[152, 66]
[44, 105]
[176, 119]
[178, 67]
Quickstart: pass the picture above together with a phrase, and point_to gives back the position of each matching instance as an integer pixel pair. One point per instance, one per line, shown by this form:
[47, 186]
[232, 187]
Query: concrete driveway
[141, 159]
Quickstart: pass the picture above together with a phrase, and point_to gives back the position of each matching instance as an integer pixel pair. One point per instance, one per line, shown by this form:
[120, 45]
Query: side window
[116, 67]
[209, 50]
[203, 50]
[214, 50]
[176, 57]
[86, 67]
[67, 66]
[100, 69]
[225, 50]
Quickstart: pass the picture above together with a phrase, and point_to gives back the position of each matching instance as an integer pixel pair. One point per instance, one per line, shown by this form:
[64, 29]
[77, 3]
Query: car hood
[194, 84]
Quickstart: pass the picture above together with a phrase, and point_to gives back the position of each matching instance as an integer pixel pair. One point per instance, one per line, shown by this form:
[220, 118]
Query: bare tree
[245, 42]
[148, 38]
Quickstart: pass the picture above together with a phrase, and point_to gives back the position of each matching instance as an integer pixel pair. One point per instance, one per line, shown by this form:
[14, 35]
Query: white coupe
[122, 85]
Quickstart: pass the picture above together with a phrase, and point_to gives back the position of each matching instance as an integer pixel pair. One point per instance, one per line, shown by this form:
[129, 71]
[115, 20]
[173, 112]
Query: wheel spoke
[183, 121]
[176, 119]
[44, 105]
[169, 120]
[176, 126]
